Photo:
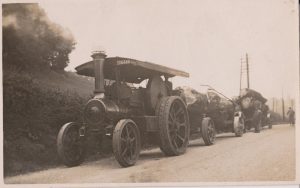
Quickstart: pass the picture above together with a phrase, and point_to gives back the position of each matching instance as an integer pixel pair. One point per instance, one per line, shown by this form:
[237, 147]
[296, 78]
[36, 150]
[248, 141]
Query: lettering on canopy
[125, 62]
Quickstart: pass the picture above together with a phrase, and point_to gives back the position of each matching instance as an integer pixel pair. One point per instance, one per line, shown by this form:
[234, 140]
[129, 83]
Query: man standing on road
[291, 114]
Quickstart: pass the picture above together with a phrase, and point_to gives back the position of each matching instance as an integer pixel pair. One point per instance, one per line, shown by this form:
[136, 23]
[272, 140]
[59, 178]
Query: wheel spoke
[131, 132]
[69, 138]
[171, 117]
[76, 144]
[132, 140]
[180, 137]
[171, 125]
[182, 124]
[174, 142]
[211, 132]
[131, 151]
[179, 111]
[127, 132]
[123, 139]
[172, 130]
[125, 151]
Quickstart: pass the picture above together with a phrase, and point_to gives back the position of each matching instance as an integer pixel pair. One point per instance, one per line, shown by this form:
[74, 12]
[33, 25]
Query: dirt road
[268, 156]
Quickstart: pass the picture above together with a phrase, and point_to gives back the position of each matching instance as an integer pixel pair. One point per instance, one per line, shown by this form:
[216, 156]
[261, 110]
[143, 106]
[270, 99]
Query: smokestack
[99, 58]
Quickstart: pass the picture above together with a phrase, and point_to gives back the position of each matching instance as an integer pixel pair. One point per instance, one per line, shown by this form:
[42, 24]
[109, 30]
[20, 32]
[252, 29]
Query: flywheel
[156, 89]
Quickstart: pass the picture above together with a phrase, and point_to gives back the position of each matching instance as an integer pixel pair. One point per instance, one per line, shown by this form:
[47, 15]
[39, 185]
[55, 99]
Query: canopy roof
[131, 70]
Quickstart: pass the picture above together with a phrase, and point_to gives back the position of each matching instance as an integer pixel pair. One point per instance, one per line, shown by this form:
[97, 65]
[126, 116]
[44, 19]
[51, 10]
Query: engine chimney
[99, 58]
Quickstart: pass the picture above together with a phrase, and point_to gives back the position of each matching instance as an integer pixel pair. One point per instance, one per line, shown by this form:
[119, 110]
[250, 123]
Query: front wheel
[126, 142]
[70, 145]
[208, 131]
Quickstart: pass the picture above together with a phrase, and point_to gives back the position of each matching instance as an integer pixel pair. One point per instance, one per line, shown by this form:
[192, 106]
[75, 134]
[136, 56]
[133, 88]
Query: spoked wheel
[70, 145]
[270, 125]
[239, 126]
[126, 142]
[257, 120]
[248, 125]
[258, 127]
[208, 131]
[174, 127]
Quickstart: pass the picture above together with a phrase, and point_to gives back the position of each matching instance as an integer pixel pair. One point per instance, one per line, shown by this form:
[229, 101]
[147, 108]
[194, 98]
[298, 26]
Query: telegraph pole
[282, 102]
[242, 71]
[241, 75]
[247, 67]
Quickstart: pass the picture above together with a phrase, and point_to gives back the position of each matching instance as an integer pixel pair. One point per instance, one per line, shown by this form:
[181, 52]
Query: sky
[202, 37]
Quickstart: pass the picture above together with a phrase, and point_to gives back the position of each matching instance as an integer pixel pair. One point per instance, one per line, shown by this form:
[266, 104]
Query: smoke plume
[31, 40]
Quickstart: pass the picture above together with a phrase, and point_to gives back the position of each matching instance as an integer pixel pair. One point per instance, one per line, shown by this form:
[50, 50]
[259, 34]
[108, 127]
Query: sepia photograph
[150, 92]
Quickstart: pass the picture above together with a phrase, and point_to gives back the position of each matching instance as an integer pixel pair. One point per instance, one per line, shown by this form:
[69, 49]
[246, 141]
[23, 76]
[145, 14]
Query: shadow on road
[224, 136]
[196, 145]
[154, 155]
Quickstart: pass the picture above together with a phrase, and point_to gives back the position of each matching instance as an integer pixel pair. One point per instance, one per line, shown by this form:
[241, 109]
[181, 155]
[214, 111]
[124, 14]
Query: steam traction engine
[128, 114]
[255, 110]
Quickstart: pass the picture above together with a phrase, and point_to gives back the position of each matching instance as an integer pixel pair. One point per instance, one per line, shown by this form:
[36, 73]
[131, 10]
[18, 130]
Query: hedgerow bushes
[36, 99]
[33, 114]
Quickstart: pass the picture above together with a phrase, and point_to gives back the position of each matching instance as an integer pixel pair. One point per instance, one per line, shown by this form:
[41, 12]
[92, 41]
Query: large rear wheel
[174, 127]
[126, 142]
[70, 145]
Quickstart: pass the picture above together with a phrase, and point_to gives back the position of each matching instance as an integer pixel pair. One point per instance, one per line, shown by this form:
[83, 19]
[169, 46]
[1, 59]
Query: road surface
[268, 156]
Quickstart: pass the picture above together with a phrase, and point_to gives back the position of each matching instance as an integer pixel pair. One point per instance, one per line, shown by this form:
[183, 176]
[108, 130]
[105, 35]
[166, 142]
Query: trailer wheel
[239, 126]
[269, 122]
[257, 120]
[258, 127]
[208, 131]
[174, 127]
[270, 126]
[70, 145]
[126, 142]
[248, 125]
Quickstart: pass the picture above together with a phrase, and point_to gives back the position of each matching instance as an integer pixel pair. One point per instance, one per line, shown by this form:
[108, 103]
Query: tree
[31, 41]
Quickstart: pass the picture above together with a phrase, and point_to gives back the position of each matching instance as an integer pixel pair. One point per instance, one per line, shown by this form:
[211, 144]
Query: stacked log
[210, 103]
[196, 101]
[251, 101]
[197, 105]
[250, 98]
